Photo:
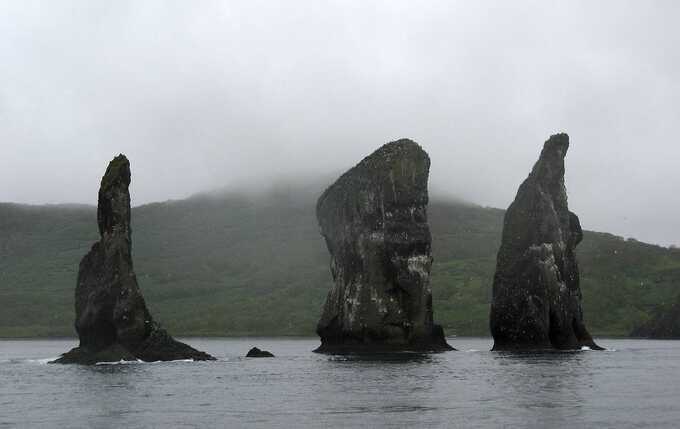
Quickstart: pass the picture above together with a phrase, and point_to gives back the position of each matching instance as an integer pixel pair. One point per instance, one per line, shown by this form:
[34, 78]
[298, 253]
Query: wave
[588, 349]
[43, 361]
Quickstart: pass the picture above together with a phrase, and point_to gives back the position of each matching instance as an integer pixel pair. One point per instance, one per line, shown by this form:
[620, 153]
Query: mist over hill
[234, 262]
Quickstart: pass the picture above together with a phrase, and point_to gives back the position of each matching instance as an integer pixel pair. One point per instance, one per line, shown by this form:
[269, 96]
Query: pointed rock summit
[374, 222]
[112, 320]
[536, 293]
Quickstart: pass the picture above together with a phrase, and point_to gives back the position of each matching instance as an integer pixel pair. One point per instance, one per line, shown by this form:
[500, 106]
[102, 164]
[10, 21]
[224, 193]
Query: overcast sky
[203, 94]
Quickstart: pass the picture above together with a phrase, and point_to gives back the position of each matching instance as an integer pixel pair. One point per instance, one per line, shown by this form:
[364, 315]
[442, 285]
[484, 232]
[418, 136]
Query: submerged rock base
[536, 293]
[436, 343]
[159, 346]
[374, 222]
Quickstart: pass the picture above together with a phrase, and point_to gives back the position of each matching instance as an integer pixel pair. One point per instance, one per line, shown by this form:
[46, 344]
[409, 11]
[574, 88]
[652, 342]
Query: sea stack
[112, 320]
[536, 294]
[374, 222]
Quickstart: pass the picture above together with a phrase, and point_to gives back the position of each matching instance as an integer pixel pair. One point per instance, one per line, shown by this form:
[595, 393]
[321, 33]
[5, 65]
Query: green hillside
[236, 265]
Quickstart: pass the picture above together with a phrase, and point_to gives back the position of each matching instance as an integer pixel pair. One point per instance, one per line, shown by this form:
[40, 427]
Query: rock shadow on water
[538, 355]
[383, 357]
[545, 387]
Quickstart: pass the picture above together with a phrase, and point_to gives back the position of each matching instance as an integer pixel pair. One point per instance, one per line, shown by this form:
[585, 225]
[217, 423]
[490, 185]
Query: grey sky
[204, 94]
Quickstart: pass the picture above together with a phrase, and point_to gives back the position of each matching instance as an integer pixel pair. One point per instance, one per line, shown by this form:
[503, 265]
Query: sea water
[635, 383]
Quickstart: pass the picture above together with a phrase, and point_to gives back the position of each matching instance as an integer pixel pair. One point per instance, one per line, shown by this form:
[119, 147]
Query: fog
[203, 95]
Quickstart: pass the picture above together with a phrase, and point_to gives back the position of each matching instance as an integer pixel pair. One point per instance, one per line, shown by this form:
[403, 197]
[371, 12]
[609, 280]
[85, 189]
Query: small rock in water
[255, 353]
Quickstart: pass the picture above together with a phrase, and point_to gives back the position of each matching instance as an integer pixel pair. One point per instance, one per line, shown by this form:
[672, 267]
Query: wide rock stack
[536, 293]
[374, 222]
[112, 319]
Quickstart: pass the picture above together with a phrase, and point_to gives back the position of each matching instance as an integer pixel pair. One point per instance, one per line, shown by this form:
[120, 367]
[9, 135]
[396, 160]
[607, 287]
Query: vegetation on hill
[229, 264]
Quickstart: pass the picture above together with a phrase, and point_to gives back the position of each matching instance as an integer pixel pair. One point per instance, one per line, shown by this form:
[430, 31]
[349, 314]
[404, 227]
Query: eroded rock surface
[112, 320]
[374, 222]
[536, 293]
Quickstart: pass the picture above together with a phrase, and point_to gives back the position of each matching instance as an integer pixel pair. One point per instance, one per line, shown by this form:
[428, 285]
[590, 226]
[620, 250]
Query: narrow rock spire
[536, 293]
[112, 320]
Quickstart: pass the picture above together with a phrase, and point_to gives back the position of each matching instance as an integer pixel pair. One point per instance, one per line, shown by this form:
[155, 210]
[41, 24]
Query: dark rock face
[112, 319]
[257, 353]
[374, 222]
[665, 325]
[536, 293]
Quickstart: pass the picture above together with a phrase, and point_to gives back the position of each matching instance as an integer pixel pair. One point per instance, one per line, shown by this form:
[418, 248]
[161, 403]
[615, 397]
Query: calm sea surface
[634, 384]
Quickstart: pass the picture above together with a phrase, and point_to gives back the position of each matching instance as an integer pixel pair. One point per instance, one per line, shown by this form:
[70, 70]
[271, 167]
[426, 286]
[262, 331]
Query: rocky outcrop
[374, 222]
[663, 325]
[112, 320]
[257, 353]
[536, 293]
